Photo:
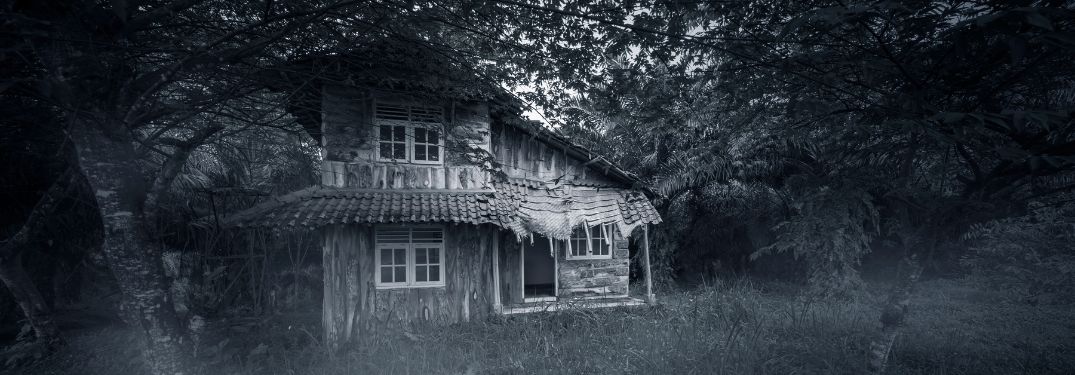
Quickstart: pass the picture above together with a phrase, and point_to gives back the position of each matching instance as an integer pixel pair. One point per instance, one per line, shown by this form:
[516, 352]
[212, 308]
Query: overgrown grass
[736, 328]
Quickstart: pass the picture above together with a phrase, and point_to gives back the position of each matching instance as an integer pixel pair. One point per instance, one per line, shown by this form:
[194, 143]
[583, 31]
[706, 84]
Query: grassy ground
[742, 328]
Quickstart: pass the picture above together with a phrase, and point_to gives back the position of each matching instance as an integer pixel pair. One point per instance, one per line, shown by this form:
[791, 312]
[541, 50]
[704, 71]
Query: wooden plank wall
[375, 175]
[351, 150]
[511, 289]
[341, 266]
[353, 303]
[523, 156]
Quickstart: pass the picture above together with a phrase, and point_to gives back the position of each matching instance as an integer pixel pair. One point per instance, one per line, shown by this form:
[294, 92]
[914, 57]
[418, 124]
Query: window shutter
[402, 235]
[391, 112]
[413, 113]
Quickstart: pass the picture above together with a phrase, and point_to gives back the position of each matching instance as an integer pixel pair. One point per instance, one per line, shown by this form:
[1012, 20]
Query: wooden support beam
[650, 298]
[555, 269]
[497, 306]
[522, 270]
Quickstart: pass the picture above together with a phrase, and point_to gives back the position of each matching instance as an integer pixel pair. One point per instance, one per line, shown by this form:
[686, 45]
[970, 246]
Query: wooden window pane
[399, 150]
[434, 273]
[434, 153]
[419, 135]
[399, 267]
[420, 152]
[420, 274]
[399, 133]
[432, 137]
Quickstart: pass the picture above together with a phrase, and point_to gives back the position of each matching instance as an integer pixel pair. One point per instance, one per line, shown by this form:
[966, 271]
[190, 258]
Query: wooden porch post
[497, 306]
[650, 298]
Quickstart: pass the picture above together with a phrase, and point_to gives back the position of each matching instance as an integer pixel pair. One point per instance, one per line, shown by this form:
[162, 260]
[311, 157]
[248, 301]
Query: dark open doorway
[539, 269]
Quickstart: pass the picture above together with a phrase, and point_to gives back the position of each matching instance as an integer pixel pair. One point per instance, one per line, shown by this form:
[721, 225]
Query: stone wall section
[596, 277]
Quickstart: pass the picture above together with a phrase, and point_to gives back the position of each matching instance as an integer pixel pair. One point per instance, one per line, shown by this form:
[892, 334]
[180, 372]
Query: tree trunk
[894, 315]
[14, 275]
[30, 301]
[110, 165]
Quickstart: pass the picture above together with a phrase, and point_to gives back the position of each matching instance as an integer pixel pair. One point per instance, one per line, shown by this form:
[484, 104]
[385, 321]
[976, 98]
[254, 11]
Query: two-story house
[440, 202]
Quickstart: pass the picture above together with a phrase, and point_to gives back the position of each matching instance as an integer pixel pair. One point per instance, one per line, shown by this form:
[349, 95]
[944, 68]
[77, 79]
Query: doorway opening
[539, 270]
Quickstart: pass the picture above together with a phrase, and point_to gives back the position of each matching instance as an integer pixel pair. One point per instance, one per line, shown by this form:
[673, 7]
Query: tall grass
[720, 328]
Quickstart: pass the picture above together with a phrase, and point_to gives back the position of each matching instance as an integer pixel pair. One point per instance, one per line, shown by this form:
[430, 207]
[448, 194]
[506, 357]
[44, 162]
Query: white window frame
[410, 124]
[377, 261]
[608, 238]
[406, 139]
[413, 144]
[410, 245]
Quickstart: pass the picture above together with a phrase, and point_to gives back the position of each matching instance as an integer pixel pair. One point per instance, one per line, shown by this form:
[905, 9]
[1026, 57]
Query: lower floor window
[591, 242]
[410, 257]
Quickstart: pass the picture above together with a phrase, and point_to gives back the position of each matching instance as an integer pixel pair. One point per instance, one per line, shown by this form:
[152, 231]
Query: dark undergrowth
[737, 328]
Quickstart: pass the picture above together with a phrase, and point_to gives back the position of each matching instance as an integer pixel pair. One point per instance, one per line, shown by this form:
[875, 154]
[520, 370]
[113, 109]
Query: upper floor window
[591, 243]
[409, 133]
[409, 257]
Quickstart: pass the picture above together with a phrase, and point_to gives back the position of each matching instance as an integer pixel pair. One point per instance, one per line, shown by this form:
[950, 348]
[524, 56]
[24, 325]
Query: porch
[551, 305]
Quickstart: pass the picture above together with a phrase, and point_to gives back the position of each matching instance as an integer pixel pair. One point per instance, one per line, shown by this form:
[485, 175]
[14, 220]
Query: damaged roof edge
[323, 206]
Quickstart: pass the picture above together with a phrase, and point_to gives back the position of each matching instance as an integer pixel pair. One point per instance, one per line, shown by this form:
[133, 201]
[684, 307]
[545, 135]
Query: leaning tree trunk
[37, 312]
[109, 164]
[893, 315]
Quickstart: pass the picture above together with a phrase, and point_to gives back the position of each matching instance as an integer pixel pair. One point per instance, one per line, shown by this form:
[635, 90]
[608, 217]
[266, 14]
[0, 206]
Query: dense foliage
[881, 125]
[822, 130]
[1033, 254]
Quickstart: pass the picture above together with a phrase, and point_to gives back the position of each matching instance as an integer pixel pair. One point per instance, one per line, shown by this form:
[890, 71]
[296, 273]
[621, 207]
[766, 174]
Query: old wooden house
[439, 202]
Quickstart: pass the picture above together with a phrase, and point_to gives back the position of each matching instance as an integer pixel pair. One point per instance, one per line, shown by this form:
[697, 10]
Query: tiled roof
[518, 205]
[320, 206]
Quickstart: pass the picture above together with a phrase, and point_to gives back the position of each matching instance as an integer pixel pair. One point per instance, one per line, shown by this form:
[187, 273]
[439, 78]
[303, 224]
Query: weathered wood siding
[523, 156]
[511, 282]
[351, 147]
[353, 302]
[341, 263]
[380, 175]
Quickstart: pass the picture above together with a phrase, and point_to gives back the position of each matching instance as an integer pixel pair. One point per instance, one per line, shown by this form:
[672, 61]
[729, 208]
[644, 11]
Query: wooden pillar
[497, 306]
[522, 271]
[650, 298]
[555, 268]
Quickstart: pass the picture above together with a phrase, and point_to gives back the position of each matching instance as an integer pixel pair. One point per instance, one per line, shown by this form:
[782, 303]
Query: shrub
[1034, 254]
